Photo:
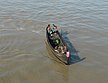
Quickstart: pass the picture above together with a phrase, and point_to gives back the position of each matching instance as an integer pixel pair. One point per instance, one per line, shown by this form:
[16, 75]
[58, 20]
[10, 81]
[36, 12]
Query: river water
[24, 56]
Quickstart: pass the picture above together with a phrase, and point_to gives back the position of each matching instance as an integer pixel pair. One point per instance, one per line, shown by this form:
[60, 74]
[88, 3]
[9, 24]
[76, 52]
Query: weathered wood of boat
[57, 44]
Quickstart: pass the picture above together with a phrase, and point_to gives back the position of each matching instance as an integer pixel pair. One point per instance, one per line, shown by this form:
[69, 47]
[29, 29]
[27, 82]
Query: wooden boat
[59, 48]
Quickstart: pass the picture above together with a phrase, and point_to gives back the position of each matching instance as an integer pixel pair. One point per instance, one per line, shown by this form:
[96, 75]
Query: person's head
[48, 25]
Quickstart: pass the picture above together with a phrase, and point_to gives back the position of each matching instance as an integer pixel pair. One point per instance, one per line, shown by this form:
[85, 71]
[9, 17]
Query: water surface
[24, 56]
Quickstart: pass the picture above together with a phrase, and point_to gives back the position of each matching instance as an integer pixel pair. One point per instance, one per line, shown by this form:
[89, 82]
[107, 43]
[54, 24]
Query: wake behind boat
[57, 44]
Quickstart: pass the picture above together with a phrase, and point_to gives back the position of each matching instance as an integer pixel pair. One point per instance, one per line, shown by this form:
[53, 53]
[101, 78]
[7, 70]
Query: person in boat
[56, 42]
[52, 30]
[48, 28]
[55, 28]
[53, 34]
[67, 54]
[61, 49]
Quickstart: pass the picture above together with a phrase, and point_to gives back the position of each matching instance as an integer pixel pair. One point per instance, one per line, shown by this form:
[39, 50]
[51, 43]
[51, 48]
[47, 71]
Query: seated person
[61, 49]
[55, 42]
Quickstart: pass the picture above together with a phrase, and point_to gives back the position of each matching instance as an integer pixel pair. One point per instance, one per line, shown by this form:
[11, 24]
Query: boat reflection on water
[74, 57]
[60, 67]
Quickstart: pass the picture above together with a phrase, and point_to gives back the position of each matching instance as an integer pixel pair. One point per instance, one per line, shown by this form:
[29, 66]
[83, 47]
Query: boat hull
[61, 57]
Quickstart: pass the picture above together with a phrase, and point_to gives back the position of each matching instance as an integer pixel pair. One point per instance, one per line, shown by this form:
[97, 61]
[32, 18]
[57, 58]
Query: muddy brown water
[24, 56]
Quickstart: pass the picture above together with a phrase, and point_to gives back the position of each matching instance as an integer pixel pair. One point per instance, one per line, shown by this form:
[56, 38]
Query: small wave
[17, 29]
[6, 29]
[34, 31]
[20, 29]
